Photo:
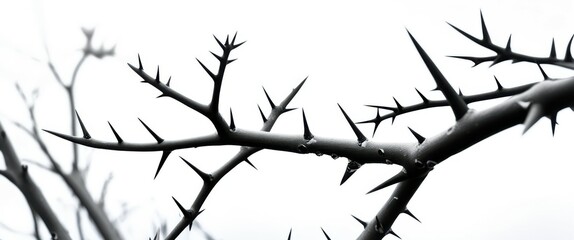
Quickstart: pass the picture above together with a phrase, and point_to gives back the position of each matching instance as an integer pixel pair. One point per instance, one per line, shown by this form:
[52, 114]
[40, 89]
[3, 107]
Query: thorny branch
[527, 105]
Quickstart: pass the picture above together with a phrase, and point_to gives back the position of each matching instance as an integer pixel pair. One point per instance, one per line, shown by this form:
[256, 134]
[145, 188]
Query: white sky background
[507, 187]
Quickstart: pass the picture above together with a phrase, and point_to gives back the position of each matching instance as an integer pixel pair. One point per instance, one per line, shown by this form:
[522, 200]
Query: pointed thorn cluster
[262, 114]
[164, 156]
[269, 99]
[419, 138]
[401, 176]
[325, 233]
[351, 168]
[407, 212]
[118, 138]
[153, 134]
[204, 176]
[360, 137]
[455, 101]
[84, 130]
[307, 135]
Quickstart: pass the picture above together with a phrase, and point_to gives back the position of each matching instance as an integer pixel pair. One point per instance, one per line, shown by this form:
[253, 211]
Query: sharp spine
[535, 112]
[140, 63]
[84, 130]
[499, 86]
[307, 135]
[399, 177]
[568, 56]
[204, 176]
[456, 102]
[485, 35]
[154, 135]
[269, 99]
[425, 99]
[164, 156]
[351, 168]
[407, 212]
[157, 75]
[185, 212]
[399, 106]
[118, 138]
[360, 137]
[553, 50]
[262, 115]
[363, 223]
[543, 72]
[211, 74]
[250, 164]
[419, 137]
[325, 233]
[231, 121]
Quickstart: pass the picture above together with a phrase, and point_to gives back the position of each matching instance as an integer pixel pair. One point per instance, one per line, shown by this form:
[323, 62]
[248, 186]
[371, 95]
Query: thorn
[360, 221]
[120, 140]
[399, 107]
[377, 121]
[360, 137]
[262, 115]
[352, 167]
[553, 50]
[157, 75]
[460, 92]
[216, 56]
[233, 45]
[401, 176]
[219, 42]
[250, 163]
[233, 40]
[140, 63]
[204, 176]
[456, 102]
[168, 81]
[507, 48]
[543, 73]
[425, 100]
[307, 135]
[498, 85]
[164, 156]
[286, 110]
[84, 130]
[213, 76]
[230, 61]
[327, 236]
[568, 57]
[227, 40]
[186, 213]
[157, 138]
[290, 231]
[485, 35]
[407, 212]
[535, 112]
[419, 138]
[553, 122]
[394, 234]
[383, 107]
[269, 99]
[232, 122]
